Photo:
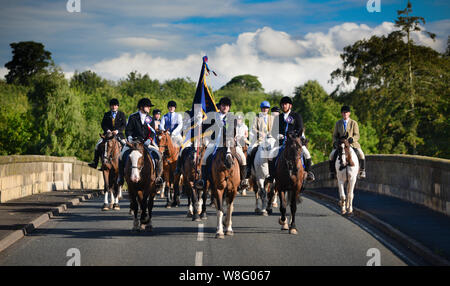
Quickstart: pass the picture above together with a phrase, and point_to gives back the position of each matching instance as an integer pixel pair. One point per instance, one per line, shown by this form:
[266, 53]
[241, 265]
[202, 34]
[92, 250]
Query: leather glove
[350, 140]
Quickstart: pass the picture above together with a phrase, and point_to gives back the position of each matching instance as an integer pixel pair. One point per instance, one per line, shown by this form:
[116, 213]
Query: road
[105, 238]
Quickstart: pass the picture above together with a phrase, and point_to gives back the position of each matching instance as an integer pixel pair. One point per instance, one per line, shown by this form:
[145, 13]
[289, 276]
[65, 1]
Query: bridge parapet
[418, 179]
[24, 175]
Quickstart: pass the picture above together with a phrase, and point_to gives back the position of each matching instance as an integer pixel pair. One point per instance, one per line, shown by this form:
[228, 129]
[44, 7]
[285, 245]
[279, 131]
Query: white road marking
[200, 232]
[199, 258]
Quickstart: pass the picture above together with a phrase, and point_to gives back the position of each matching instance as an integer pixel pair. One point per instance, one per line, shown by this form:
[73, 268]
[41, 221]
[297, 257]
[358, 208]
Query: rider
[291, 121]
[262, 125]
[347, 126]
[156, 118]
[173, 123]
[140, 126]
[113, 121]
[219, 124]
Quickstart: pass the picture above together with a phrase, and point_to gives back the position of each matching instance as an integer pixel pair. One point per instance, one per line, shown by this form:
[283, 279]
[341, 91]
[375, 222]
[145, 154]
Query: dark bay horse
[140, 175]
[289, 179]
[225, 180]
[191, 170]
[169, 153]
[110, 150]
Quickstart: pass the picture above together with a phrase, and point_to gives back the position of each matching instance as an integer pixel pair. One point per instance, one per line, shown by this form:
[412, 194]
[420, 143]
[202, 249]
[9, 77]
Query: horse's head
[293, 141]
[343, 142]
[111, 147]
[136, 160]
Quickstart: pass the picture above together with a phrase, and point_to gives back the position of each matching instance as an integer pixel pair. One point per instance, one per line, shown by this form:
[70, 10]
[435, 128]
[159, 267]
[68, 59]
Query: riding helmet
[275, 109]
[172, 103]
[156, 111]
[225, 101]
[345, 108]
[113, 101]
[264, 104]
[144, 102]
[286, 99]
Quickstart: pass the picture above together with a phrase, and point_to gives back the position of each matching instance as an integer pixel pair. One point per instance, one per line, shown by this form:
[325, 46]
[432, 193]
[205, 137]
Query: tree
[29, 58]
[88, 81]
[246, 81]
[408, 24]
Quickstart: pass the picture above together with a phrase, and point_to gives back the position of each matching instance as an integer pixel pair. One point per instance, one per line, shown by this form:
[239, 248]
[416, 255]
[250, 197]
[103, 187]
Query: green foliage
[29, 58]
[247, 82]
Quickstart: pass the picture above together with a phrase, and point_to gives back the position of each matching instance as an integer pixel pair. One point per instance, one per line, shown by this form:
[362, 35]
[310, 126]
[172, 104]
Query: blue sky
[112, 36]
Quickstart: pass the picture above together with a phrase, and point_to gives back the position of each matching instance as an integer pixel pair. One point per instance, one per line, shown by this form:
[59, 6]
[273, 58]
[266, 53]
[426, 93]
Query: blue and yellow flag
[203, 97]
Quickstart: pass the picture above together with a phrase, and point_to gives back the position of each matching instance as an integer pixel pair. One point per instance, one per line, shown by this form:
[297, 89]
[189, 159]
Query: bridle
[107, 156]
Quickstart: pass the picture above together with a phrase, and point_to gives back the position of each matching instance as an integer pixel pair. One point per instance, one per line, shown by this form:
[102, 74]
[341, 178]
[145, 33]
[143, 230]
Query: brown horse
[110, 150]
[225, 180]
[169, 153]
[140, 175]
[191, 170]
[289, 179]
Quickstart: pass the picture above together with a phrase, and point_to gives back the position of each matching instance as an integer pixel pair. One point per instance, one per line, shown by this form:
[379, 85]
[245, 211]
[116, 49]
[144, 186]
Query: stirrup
[310, 177]
[362, 174]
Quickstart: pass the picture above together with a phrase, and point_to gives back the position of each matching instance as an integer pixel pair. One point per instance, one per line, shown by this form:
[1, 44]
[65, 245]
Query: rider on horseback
[173, 123]
[291, 121]
[113, 121]
[350, 127]
[141, 126]
[262, 125]
[219, 124]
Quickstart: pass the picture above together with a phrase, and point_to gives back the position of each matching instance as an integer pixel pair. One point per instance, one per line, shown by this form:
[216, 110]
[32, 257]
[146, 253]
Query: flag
[203, 97]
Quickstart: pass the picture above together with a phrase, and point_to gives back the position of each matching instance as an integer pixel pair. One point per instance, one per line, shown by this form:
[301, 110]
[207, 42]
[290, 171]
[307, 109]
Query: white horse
[260, 171]
[347, 168]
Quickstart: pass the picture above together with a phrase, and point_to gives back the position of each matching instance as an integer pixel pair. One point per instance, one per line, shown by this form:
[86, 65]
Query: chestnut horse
[191, 170]
[140, 175]
[225, 180]
[169, 153]
[110, 150]
[289, 179]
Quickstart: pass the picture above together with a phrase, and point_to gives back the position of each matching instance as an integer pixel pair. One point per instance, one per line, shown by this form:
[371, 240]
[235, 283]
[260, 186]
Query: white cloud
[3, 72]
[141, 42]
[280, 61]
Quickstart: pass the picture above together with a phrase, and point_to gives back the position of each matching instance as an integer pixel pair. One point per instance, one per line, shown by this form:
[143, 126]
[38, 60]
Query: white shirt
[175, 119]
[286, 114]
[143, 116]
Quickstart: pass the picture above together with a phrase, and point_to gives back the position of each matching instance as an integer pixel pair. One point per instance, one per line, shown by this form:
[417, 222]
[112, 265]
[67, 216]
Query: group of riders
[141, 126]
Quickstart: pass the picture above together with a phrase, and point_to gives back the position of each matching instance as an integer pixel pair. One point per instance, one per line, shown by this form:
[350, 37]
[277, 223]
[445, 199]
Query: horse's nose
[135, 179]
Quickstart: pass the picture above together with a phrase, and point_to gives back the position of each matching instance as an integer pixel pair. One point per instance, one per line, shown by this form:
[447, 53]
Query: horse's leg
[195, 216]
[189, 191]
[263, 195]
[151, 201]
[228, 222]
[257, 208]
[270, 197]
[293, 203]
[342, 201]
[283, 206]
[134, 208]
[204, 198]
[350, 194]
[105, 201]
[219, 209]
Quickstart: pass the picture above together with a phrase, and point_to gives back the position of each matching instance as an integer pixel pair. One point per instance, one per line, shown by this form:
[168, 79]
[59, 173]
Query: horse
[225, 180]
[170, 155]
[347, 167]
[260, 171]
[289, 178]
[191, 172]
[140, 175]
[110, 150]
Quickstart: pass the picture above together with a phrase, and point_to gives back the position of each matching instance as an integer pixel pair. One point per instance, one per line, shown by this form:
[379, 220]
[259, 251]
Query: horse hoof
[168, 206]
[229, 233]
[195, 217]
[274, 205]
[264, 213]
[269, 211]
[105, 207]
[203, 216]
[220, 235]
[281, 222]
[350, 214]
[149, 228]
[116, 207]
[142, 227]
[293, 231]
[111, 206]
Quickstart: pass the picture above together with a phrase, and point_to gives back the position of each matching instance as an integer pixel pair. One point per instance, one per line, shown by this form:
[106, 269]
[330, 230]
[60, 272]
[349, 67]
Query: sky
[285, 43]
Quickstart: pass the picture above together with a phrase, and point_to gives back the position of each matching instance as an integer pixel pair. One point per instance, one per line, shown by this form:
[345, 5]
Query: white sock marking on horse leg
[219, 222]
[199, 258]
[106, 198]
[200, 232]
[228, 219]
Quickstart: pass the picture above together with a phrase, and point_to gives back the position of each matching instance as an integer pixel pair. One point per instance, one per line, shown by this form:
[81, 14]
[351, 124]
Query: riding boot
[94, 164]
[362, 171]
[310, 175]
[120, 180]
[271, 172]
[244, 181]
[159, 169]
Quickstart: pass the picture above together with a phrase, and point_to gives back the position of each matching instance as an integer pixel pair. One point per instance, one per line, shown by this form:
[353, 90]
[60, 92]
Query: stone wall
[24, 175]
[417, 179]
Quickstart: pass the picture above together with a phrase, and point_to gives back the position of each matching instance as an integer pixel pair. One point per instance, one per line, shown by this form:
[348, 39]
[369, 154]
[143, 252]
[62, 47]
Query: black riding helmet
[286, 99]
[172, 103]
[345, 108]
[275, 109]
[144, 102]
[156, 111]
[113, 101]
[225, 101]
